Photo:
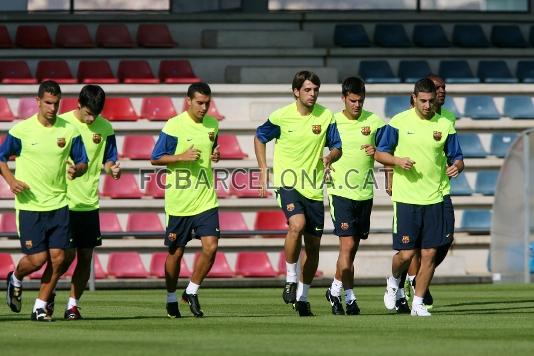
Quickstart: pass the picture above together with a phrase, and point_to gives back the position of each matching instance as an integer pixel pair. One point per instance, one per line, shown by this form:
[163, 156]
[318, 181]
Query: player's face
[87, 115]
[440, 90]
[48, 105]
[199, 105]
[424, 104]
[353, 104]
[308, 93]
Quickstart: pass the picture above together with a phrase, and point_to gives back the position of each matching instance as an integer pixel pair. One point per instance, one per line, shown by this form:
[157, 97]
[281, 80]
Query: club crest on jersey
[97, 138]
[366, 130]
[406, 239]
[172, 236]
[437, 135]
[344, 226]
[316, 129]
[211, 136]
[28, 244]
[290, 207]
[61, 142]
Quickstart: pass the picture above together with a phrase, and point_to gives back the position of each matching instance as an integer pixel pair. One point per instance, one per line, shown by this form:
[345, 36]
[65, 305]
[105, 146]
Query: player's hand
[71, 171]
[191, 154]
[327, 162]
[216, 154]
[263, 182]
[452, 171]
[404, 162]
[115, 170]
[369, 149]
[18, 186]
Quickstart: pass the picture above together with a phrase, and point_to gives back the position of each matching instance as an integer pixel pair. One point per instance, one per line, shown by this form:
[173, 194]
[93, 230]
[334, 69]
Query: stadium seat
[8, 223]
[481, 107]
[500, 143]
[96, 72]
[157, 266]
[351, 35]
[136, 72]
[229, 147]
[254, 264]
[232, 221]
[457, 71]
[5, 111]
[56, 70]
[124, 188]
[221, 190]
[27, 107]
[486, 182]
[73, 36]
[154, 36]
[6, 265]
[246, 185]
[495, 72]
[155, 188]
[138, 147]
[157, 108]
[430, 36]
[15, 72]
[395, 104]
[119, 109]
[451, 106]
[469, 36]
[391, 36]
[109, 222]
[475, 220]
[5, 39]
[177, 72]
[518, 107]
[113, 36]
[126, 265]
[5, 191]
[37, 274]
[212, 111]
[271, 220]
[220, 268]
[33, 36]
[507, 36]
[377, 72]
[412, 71]
[471, 145]
[460, 186]
[68, 104]
[144, 222]
[525, 71]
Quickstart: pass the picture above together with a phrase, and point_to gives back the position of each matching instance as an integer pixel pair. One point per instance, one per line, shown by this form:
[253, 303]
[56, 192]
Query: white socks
[39, 304]
[417, 300]
[192, 288]
[16, 282]
[73, 302]
[349, 296]
[335, 288]
[393, 282]
[302, 292]
[171, 297]
[291, 272]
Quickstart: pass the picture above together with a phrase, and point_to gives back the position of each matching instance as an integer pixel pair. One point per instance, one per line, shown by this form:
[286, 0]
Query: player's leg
[26, 265]
[49, 281]
[172, 271]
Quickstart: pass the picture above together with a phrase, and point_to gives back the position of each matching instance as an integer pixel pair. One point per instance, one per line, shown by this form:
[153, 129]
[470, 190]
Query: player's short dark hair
[200, 87]
[353, 85]
[434, 75]
[424, 85]
[93, 98]
[302, 76]
[50, 87]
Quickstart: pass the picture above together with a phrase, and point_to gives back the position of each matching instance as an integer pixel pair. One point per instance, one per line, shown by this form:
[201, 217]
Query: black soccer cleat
[303, 308]
[401, 306]
[335, 302]
[352, 308]
[428, 300]
[51, 304]
[73, 313]
[289, 295]
[194, 305]
[40, 315]
[173, 311]
[13, 295]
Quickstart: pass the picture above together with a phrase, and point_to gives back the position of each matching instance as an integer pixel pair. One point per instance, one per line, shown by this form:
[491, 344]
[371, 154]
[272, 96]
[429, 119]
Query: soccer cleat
[51, 304]
[408, 288]
[289, 295]
[40, 315]
[173, 311]
[335, 302]
[401, 306]
[352, 308]
[303, 308]
[428, 300]
[194, 305]
[419, 310]
[390, 296]
[13, 295]
[73, 313]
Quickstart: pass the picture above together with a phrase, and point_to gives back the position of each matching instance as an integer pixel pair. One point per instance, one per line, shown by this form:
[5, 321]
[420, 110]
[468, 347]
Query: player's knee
[210, 249]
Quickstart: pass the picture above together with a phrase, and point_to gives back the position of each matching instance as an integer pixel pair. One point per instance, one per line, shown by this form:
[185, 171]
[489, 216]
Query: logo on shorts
[172, 236]
[316, 129]
[366, 130]
[28, 244]
[406, 239]
[290, 207]
[97, 138]
[61, 142]
[211, 136]
[437, 135]
[344, 226]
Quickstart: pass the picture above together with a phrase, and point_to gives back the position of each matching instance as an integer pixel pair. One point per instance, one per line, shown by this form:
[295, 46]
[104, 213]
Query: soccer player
[43, 145]
[100, 145]
[302, 129]
[186, 146]
[351, 189]
[413, 143]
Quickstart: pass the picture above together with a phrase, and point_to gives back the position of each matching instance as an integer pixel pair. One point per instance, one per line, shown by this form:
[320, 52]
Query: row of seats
[432, 36]
[453, 71]
[77, 36]
[131, 71]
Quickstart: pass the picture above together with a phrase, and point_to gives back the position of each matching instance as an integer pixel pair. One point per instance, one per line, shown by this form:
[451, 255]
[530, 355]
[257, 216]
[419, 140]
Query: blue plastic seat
[500, 143]
[469, 36]
[412, 71]
[392, 35]
[525, 71]
[471, 145]
[481, 107]
[451, 106]
[377, 72]
[486, 182]
[352, 35]
[495, 72]
[476, 220]
[396, 104]
[431, 36]
[507, 36]
[518, 107]
[460, 186]
[457, 71]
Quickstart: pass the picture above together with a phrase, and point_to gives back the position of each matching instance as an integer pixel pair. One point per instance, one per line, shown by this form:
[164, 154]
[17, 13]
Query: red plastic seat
[140, 222]
[212, 111]
[56, 70]
[33, 36]
[8, 223]
[119, 109]
[246, 185]
[68, 104]
[157, 108]
[109, 222]
[5, 191]
[229, 147]
[5, 110]
[177, 72]
[124, 188]
[136, 72]
[220, 268]
[232, 221]
[73, 36]
[126, 265]
[6, 265]
[96, 72]
[155, 186]
[5, 40]
[271, 220]
[27, 108]
[154, 35]
[113, 36]
[15, 72]
[254, 264]
[221, 190]
[138, 146]
[157, 266]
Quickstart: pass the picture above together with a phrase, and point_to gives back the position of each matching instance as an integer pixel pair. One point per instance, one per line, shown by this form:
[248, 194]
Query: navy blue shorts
[418, 226]
[448, 215]
[351, 217]
[181, 229]
[85, 228]
[292, 203]
[43, 230]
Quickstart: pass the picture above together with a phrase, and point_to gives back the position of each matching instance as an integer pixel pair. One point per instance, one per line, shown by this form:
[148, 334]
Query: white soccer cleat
[420, 310]
[390, 297]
